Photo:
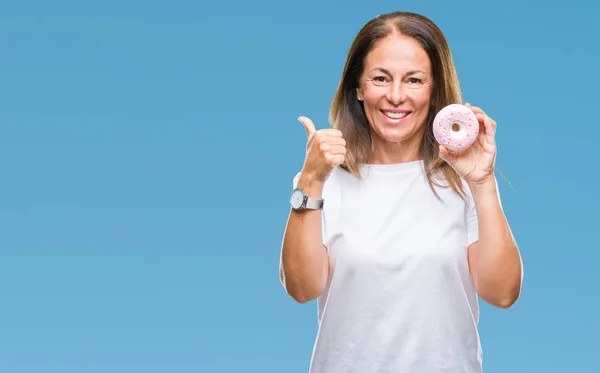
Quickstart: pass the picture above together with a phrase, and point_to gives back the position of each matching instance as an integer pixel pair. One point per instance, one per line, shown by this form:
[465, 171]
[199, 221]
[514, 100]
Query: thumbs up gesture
[325, 149]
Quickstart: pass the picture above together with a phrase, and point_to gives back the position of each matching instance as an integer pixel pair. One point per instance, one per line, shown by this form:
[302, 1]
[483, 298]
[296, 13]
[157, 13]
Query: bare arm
[495, 262]
[304, 265]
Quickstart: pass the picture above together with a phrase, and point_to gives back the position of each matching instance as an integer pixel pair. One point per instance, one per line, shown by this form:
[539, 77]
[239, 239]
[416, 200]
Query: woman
[393, 234]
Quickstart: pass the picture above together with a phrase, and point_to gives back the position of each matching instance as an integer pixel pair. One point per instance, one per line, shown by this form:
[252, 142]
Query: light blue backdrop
[147, 151]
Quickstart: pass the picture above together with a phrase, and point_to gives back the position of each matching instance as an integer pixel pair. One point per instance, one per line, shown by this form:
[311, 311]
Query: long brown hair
[347, 113]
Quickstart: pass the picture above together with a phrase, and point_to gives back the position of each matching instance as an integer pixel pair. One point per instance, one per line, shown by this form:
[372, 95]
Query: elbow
[501, 292]
[300, 294]
[507, 302]
[301, 298]
[301, 290]
[502, 299]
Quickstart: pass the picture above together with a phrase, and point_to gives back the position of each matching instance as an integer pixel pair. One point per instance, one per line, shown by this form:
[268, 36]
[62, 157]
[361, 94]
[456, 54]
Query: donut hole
[456, 127]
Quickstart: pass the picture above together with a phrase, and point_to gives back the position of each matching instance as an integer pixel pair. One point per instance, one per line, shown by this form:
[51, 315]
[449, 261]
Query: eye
[380, 80]
[414, 81]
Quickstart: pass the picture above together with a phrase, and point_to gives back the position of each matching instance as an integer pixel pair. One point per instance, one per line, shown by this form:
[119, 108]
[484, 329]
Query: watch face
[297, 198]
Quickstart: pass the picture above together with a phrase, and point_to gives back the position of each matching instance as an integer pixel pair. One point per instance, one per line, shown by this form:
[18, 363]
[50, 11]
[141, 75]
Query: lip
[394, 121]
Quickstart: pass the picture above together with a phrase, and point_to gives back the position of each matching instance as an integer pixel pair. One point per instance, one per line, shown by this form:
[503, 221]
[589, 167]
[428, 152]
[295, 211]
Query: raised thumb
[309, 126]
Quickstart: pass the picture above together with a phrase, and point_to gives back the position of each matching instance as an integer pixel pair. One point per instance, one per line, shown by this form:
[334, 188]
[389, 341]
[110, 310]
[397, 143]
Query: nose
[396, 94]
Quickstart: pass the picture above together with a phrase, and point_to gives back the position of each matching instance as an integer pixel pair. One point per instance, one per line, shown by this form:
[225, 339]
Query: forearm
[304, 262]
[495, 260]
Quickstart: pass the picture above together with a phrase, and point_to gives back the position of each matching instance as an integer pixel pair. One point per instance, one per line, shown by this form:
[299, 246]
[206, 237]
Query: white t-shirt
[399, 298]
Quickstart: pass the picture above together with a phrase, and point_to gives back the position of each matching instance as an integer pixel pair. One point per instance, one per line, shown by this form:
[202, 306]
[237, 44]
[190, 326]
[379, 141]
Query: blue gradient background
[147, 151]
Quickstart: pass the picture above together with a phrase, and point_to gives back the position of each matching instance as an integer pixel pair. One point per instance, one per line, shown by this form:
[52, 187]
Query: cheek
[420, 98]
[372, 100]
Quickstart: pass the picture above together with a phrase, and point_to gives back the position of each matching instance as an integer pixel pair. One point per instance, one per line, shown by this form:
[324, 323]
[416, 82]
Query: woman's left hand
[476, 163]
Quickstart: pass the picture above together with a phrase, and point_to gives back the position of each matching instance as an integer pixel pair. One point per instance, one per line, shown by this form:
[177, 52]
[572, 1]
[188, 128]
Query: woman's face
[395, 88]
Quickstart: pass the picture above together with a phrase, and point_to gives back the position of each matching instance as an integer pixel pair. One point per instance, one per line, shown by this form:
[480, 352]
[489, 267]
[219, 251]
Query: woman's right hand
[325, 149]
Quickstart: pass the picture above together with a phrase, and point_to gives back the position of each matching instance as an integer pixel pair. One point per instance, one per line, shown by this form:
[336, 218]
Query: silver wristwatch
[300, 201]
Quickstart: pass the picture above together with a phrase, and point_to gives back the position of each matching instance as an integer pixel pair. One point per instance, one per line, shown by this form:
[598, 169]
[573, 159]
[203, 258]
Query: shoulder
[441, 183]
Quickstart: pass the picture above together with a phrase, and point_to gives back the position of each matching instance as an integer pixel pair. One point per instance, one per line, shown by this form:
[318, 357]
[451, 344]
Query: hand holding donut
[325, 149]
[475, 163]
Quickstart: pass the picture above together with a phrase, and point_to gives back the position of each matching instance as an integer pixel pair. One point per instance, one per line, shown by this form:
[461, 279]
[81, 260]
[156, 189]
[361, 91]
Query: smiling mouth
[395, 115]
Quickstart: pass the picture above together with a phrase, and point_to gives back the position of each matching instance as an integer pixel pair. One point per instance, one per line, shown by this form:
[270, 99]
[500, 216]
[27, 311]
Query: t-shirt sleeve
[471, 219]
[471, 216]
[323, 225]
[295, 182]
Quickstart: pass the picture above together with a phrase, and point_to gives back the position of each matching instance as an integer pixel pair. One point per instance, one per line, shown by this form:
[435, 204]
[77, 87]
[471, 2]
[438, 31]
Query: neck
[391, 153]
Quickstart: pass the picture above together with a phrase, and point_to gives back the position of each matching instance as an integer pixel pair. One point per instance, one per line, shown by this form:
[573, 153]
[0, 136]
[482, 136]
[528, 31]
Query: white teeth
[395, 115]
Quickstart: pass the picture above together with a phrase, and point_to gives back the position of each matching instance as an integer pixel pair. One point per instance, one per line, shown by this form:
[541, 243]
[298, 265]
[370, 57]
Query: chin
[393, 135]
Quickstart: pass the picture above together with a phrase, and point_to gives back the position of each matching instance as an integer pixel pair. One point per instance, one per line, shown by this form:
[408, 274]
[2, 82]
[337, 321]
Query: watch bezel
[304, 199]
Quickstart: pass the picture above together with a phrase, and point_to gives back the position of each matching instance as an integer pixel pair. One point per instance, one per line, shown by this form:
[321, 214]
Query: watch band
[313, 203]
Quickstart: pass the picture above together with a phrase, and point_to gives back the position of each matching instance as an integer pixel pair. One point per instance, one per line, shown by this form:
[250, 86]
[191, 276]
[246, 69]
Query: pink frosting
[465, 118]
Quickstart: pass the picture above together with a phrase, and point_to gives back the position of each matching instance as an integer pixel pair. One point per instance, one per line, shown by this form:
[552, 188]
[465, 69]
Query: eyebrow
[412, 72]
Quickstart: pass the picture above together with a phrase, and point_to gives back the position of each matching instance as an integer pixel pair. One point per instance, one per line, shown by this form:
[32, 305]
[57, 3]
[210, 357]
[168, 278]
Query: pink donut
[456, 127]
